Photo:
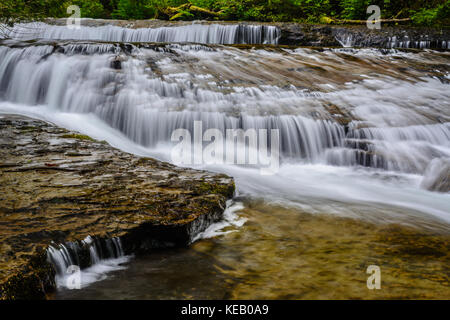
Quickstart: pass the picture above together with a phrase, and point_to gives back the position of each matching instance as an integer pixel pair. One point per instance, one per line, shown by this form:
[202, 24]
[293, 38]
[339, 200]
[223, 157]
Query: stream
[364, 134]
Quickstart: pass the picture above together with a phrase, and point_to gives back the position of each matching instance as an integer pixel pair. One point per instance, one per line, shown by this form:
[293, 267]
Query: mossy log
[331, 20]
[177, 12]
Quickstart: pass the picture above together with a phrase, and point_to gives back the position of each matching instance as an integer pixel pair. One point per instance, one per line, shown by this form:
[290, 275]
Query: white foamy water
[96, 272]
[231, 218]
[197, 33]
[370, 168]
[350, 38]
[105, 256]
[372, 194]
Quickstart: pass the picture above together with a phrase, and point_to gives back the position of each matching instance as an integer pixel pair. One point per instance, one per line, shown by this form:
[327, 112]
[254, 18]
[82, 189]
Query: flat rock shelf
[59, 186]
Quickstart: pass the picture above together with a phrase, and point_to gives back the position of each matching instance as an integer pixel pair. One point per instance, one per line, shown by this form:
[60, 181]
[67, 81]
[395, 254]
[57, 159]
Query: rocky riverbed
[59, 186]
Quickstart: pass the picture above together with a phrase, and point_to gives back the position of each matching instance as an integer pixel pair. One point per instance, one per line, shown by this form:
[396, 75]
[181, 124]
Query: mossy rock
[101, 192]
[77, 136]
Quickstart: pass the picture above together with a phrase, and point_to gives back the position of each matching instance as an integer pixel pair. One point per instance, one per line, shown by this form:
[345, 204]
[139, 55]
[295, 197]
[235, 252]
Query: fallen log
[331, 20]
[177, 12]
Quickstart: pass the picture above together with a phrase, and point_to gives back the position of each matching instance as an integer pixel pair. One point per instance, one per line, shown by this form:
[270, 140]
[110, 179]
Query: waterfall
[70, 253]
[404, 149]
[218, 34]
[346, 40]
[437, 175]
[197, 33]
[61, 258]
[146, 104]
[140, 107]
[355, 38]
[94, 256]
[363, 132]
[417, 43]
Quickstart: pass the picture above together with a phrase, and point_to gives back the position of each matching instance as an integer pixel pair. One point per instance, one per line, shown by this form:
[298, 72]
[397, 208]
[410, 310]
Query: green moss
[76, 136]
[26, 129]
[226, 190]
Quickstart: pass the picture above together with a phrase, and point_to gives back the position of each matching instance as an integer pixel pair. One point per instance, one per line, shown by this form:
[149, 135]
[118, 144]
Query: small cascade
[405, 149]
[89, 49]
[437, 175]
[196, 33]
[357, 38]
[62, 256]
[87, 254]
[346, 40]
[417, 43]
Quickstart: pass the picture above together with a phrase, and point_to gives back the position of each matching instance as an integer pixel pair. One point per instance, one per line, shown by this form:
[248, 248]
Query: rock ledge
[59, 186]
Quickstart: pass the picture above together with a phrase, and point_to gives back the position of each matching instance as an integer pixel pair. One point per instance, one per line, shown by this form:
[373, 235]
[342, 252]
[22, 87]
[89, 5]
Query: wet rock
[80, 187]
[307, 35]
[117, 63]
[361, 36]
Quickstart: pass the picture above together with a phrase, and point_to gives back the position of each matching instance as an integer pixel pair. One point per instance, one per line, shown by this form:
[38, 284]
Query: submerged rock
[58, 186]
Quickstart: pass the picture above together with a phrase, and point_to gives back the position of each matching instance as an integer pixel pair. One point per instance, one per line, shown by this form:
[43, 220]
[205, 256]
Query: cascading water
[364, 133]
[422, 43]
[364, 137]
[437, 175]
[356, 38]
[404, 149]
[144, 108]
[198, 33]
[148, 104]
[104, 256]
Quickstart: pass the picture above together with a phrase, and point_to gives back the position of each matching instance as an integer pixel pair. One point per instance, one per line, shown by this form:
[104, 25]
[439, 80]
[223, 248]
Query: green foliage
[425, 16]
[130, 9]
[443, 14]
[355, 9]
[14, 11]
[432, 16]
[88, 8]
[422, 12]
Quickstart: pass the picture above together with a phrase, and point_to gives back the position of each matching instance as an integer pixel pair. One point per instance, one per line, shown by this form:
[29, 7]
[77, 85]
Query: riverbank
[60, 186]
